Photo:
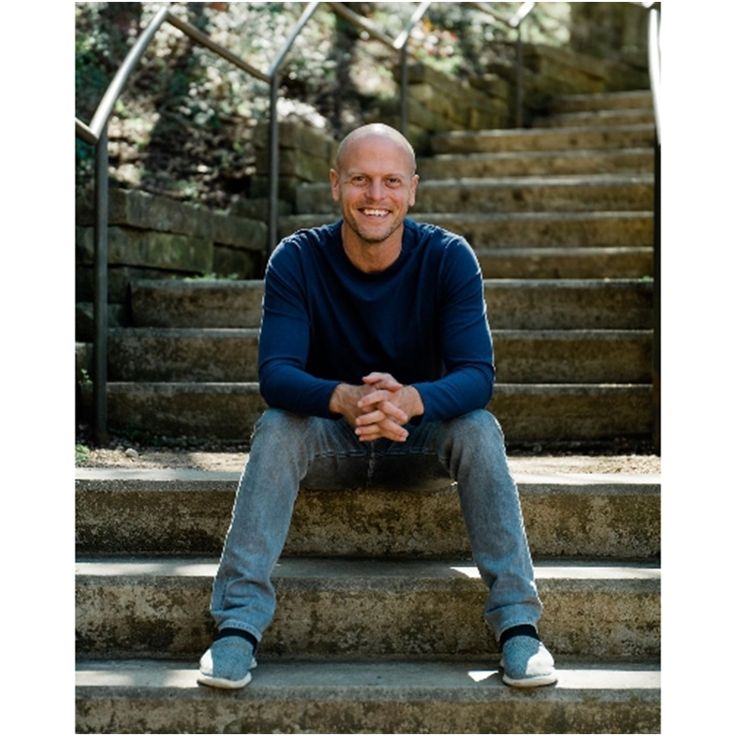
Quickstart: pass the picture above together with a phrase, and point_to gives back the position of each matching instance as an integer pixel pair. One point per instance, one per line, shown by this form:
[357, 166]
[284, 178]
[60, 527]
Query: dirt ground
[153, 458]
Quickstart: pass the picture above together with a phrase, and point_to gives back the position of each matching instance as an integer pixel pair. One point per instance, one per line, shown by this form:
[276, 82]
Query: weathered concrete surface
[566, 263]
[205, 303]
[535, 163]
[641, 99]
[188, 512]
[150, 212]
[512, 303]
[84, 319]
[528, 412]
[522, 356]
[183, 354]
[554, 139]
[134, 247]
[594, 193]
[365, 697]
[597, 118]
[365, 608]
[524, 229]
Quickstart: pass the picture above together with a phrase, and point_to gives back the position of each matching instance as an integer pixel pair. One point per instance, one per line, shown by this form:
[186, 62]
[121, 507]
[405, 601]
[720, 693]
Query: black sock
[520, 630]
[238, 632]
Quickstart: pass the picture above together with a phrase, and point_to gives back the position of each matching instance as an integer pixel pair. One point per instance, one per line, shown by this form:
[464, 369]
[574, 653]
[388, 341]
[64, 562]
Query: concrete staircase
[379, 624]
[568, 261]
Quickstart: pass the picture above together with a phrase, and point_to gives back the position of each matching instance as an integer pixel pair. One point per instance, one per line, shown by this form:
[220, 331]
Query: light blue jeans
[288, 450]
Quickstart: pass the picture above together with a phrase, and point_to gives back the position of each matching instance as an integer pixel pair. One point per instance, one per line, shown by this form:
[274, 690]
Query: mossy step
[187, 512]
[522, 356]
[511, 303]
[371, 608]
[553, 414]
[536, 163]
[161, 696]
[590, 193]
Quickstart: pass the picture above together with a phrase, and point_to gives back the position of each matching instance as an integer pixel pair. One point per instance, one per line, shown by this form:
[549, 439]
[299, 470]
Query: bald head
[377, 131]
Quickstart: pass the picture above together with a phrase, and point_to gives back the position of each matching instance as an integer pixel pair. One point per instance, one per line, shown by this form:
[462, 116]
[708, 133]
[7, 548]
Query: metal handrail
[655, 62]
[655, 80]
[96, 134]
[513, 23]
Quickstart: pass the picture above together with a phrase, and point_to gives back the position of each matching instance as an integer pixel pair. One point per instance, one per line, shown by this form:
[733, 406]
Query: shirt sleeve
[467, 346]
[284, 340]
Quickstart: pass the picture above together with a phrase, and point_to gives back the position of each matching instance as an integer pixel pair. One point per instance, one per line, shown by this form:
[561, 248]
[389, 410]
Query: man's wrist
[416, 407]
[336, 399]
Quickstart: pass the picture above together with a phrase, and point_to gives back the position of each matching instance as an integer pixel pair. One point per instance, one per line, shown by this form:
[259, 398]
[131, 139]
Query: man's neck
[371, 257]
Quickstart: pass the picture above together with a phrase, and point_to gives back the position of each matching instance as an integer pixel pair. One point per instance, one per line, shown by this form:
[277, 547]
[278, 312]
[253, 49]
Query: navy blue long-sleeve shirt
[423, 320]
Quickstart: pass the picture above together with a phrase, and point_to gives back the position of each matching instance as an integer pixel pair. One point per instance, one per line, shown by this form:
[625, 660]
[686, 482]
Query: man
[374, 345]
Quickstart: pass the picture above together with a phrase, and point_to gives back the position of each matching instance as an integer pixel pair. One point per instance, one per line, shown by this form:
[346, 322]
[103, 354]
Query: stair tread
[540, 215]
[367, 679]
[531, 132]
[524, 473]
[251, 284]
[349, 573]
[576, 333]
[524, 180]
[548, 153]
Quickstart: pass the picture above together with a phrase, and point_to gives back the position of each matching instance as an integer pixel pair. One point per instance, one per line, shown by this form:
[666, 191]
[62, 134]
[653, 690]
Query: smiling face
[375, 184]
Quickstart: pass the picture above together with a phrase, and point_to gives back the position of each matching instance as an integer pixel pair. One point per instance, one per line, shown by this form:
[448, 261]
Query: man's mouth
[374, 212]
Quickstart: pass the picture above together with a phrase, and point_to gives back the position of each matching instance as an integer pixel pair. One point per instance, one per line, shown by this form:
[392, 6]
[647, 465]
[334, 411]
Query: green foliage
[213, 277]
[81, 454]
[183, 126]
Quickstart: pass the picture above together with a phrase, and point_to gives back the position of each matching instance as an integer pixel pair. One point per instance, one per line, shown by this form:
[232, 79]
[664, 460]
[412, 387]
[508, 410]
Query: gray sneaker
[527, 663]
[227, 663]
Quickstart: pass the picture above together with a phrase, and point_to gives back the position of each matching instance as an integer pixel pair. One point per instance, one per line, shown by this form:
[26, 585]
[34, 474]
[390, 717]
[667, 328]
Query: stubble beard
[367, 238]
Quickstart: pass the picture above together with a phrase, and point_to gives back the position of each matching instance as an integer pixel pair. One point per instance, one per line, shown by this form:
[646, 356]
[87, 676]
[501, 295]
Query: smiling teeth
[375, 212]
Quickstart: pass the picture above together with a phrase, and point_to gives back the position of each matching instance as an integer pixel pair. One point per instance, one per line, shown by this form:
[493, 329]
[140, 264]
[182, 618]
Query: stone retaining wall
[156, 237]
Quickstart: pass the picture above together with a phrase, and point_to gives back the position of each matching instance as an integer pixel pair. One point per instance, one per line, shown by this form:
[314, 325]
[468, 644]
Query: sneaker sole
[225, 684]
[537, 681]
[222, 683]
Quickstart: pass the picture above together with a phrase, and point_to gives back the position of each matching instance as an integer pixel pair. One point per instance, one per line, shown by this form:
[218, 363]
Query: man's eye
[358, 180]
[394, 181]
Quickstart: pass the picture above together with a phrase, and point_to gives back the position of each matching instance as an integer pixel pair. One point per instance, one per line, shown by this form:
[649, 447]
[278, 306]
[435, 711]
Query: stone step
[187, 512]
[512, 303]
[536, 163]
[371, 608]
[591, 193]
[554, 139]
[596, 118]
[525, 229]
[522, 356]
[161, 696]
[555, 414]
[641, 99]
[566, 263]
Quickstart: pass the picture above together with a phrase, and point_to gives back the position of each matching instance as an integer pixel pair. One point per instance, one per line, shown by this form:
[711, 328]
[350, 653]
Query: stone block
[146, 211]
[133, 247]
[297, 135]
[245, 264]
[118, 281]
[297, 163]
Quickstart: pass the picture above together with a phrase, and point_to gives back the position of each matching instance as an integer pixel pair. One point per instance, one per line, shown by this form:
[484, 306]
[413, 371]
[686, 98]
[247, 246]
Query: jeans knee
[280, 426]
[477, 427]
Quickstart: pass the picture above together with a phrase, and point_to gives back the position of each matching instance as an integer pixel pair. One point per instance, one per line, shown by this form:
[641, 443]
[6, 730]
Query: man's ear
[413, 189]
[335, 185]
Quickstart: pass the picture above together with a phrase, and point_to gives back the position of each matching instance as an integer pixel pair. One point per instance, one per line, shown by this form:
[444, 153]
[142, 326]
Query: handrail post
[519, 92]
[100, 289]
[273, 163]
[404, 87]
[655, 80]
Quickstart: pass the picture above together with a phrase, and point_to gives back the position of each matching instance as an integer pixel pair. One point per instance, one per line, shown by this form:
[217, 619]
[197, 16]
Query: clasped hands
[378, 408]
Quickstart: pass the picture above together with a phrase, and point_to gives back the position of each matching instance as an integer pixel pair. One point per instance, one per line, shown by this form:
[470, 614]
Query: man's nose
[375, 189]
